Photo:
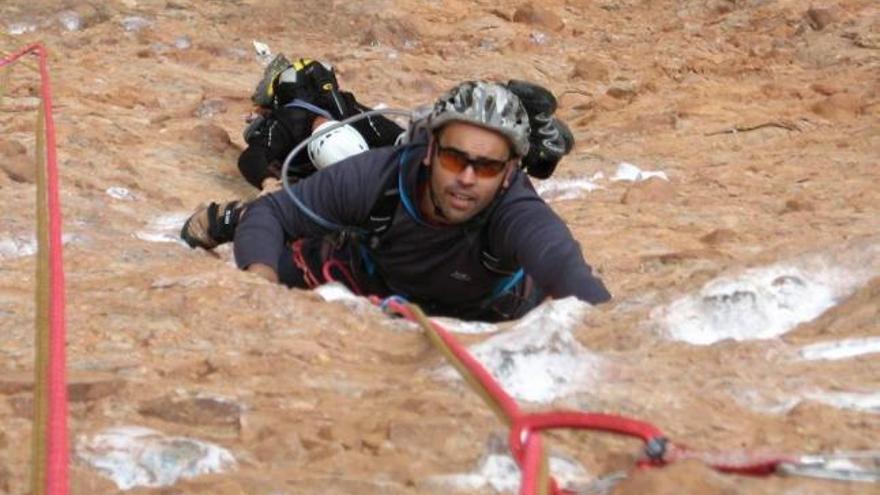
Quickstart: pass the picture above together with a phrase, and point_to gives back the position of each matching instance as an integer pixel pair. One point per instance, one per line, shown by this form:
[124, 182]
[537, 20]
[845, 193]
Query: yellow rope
[438, 342]
[4, 83]
[544, 473]
[41, 335]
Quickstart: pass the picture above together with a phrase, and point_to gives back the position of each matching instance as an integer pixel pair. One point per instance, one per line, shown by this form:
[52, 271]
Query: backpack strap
[299, 103]
[382, 216]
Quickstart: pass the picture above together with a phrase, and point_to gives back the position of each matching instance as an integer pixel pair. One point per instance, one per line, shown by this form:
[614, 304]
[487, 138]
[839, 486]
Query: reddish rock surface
[764, 114]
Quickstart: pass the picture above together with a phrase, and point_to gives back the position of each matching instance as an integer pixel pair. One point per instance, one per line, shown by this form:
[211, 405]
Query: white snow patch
[119, 193]
[501, 473]
[134, 456]
[763, 303]
[564, 189]
[538, 359]
[133, 24]
[336, 291]
[164, 228]
[765, 402]
[70, 20]
[867, 402]
[841, 349]
[19, 245]
[629, 172]
[470, 327]
[760, 303]
[17, 28]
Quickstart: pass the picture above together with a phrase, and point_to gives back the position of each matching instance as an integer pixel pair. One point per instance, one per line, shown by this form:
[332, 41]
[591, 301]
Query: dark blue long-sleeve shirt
[438, 265]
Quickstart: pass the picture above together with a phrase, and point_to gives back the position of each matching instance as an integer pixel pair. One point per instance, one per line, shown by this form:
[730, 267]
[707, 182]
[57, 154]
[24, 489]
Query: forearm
[259, 237]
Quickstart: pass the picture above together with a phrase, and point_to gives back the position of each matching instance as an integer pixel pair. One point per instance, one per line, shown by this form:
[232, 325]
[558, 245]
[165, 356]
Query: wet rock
[653, 190]
[839, 106]
[819, 18]
[195, 411]
[15, 163]
[529, 13]
[589, 69]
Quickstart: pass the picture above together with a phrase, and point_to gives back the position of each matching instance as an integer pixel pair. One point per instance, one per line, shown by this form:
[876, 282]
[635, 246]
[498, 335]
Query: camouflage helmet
[488, 105]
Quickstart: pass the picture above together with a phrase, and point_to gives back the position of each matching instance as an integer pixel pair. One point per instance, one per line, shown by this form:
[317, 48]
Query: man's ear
[432, 141]
[512, 165]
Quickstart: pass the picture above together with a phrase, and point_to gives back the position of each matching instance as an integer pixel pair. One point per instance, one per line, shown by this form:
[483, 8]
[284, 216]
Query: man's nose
[467, 176]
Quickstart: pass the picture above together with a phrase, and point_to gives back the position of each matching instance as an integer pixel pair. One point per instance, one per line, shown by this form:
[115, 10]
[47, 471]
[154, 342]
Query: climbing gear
[455, 161]
[333, 145]
[264, 94]
[525, 435]
[305, 79]
[49, 438]
[488, 105]
[550, 139]
[212, 225]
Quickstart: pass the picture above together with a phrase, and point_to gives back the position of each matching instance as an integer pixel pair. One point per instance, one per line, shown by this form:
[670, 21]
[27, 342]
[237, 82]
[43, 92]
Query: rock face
[763, 115]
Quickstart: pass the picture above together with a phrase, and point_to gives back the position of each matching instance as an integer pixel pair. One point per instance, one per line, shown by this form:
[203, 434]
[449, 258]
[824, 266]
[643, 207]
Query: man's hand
[265, 271]
[269, 185]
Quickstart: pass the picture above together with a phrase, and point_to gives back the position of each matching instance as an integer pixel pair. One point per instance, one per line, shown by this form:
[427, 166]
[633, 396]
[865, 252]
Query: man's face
[468, 165]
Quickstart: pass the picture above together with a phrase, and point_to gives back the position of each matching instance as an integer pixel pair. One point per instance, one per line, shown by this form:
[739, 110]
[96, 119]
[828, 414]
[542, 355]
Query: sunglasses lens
[488, 168]
[454, 161]
[451, 161]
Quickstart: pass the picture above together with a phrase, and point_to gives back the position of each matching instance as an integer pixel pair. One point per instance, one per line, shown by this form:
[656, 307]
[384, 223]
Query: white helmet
[329, 147]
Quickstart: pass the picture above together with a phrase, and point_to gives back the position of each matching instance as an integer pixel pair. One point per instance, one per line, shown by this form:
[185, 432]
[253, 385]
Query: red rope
[56, 481]
[524, 438]
[526, 424]
[531, 466]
